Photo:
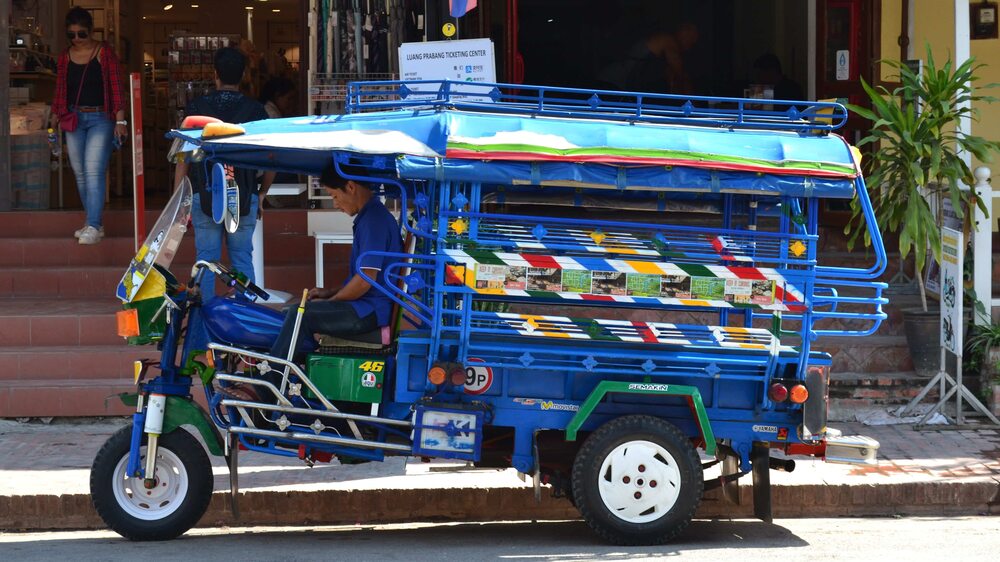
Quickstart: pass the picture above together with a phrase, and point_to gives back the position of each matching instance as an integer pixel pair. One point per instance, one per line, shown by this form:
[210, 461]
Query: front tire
[637, 480]
[183, 490]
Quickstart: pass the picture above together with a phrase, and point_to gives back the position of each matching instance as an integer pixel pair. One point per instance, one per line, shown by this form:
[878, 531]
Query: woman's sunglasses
[79, 34]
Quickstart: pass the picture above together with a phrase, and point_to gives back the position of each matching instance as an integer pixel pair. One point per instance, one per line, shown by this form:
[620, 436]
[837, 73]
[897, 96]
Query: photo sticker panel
[675, 286]
[738, 291]
[490, 276]
[610, 283]
[577, 281]
[544, 279]
[762, 292]
[708, 288]
[642, 285]
[516, 278]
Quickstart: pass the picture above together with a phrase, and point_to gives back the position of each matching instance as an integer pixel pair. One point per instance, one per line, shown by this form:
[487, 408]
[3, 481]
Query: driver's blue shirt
[375, 230]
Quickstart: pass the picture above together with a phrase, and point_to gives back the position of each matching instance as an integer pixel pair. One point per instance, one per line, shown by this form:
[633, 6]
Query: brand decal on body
[649, 386]
[547, 405]
[368, 380]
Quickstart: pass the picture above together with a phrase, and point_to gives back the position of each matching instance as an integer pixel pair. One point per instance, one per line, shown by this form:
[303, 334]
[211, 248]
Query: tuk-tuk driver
[356, 307]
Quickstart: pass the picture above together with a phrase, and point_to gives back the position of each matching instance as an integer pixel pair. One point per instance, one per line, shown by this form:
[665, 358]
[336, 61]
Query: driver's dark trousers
[335, 318]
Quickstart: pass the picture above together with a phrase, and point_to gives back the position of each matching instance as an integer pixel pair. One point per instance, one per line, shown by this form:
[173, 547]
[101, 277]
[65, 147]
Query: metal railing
[519, 99]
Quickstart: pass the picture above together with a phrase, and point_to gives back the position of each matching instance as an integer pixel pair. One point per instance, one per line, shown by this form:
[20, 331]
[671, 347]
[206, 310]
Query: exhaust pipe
[784, 465]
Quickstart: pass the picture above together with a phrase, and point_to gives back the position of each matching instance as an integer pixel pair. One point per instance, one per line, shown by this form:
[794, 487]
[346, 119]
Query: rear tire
[183, 490]
[637, 480]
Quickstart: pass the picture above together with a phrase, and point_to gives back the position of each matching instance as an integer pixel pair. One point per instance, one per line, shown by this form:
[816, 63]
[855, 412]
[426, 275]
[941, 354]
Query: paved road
[968, 539]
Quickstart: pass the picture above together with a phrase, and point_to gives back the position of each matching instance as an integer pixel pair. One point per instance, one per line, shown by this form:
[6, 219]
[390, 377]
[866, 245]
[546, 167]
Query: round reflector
[436, 375]
[799, 394]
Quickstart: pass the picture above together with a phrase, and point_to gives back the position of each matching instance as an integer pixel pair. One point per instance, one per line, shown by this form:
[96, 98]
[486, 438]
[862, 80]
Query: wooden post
[6, 189]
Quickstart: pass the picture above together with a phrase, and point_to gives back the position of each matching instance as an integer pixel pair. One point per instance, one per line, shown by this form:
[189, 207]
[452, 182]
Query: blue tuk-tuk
[598, 289]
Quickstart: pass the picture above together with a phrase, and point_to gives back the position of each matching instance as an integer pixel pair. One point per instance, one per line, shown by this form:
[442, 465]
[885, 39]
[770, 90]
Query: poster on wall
[465, 60]
[952, 249]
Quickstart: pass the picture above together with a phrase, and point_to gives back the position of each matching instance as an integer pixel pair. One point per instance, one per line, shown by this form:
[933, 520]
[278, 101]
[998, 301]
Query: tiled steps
[59, 351]
[852, 392]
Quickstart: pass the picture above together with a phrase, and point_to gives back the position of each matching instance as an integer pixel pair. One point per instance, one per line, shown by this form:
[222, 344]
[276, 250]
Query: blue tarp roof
[505, 148]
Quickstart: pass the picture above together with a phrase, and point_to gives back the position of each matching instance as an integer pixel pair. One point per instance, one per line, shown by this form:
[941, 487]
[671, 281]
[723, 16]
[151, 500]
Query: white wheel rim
[163, 499]
[639, 481]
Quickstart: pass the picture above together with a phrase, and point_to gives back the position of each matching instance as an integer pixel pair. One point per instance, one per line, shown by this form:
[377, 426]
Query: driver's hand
[319, 293]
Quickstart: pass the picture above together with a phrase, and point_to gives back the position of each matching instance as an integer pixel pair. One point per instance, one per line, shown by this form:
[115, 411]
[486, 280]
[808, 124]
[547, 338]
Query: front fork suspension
[148, 420]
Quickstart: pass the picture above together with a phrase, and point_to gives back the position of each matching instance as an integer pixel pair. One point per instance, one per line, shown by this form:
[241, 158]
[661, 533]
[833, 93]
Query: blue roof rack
[804, 117]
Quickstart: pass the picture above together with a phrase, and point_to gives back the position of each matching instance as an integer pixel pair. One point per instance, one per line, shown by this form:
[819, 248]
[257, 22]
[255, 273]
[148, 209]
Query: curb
[345, 507]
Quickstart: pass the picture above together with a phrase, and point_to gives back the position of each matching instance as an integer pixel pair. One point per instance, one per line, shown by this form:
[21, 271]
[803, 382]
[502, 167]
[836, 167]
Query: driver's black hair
[330, 178]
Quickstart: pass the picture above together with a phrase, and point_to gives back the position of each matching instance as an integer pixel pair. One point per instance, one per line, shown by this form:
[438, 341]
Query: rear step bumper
[851, 449]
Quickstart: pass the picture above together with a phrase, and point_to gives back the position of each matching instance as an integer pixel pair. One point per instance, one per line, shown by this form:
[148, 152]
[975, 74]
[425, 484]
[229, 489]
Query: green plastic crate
[348, 378]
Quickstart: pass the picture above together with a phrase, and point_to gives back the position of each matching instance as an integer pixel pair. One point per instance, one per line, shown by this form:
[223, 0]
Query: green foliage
[918, 153]
[982, 339]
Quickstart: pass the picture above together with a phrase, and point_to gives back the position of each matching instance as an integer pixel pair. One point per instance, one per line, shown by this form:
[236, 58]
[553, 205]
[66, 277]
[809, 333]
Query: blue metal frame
[521, 99]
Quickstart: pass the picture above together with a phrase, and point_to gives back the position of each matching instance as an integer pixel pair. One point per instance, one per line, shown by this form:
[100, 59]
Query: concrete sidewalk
[45, 470]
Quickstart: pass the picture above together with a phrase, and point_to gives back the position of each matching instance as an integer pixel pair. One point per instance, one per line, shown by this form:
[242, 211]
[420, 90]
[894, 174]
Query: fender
[690, 393]
[183, 411]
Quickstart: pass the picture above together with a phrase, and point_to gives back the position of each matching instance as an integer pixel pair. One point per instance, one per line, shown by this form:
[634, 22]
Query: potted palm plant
[916, 164]
[984, 345]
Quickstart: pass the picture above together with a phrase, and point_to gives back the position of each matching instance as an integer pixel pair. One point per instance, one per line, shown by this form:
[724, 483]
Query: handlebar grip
[260, 293]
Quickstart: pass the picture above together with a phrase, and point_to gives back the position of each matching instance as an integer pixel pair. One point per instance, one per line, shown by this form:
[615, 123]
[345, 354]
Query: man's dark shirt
[230, 107]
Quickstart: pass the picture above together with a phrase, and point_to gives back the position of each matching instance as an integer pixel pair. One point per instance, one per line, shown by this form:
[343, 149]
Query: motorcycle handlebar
[231, 280]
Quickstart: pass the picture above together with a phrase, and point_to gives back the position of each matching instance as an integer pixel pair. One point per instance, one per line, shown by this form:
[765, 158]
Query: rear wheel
[182, 489]
[637, 480]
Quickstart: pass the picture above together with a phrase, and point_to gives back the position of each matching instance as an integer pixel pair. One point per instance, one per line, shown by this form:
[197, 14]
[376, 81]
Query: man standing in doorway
[231, 106]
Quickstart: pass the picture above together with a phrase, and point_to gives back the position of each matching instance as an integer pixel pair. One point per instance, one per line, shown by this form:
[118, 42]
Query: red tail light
[778, 392]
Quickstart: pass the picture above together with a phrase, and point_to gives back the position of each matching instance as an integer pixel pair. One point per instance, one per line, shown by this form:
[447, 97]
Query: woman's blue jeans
[89, 149]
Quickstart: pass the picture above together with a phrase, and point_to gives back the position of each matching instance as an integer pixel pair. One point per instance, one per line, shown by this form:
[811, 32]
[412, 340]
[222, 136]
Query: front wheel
[180, 496]
[637, 480]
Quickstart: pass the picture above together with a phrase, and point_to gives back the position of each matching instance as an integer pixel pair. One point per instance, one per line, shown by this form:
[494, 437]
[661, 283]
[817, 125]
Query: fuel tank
[242, 323]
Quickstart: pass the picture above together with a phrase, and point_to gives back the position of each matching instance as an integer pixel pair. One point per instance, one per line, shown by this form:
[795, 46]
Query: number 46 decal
[373, 366]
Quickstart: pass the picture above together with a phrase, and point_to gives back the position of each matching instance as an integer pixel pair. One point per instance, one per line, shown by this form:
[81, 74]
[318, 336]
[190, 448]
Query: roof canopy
[498, 147]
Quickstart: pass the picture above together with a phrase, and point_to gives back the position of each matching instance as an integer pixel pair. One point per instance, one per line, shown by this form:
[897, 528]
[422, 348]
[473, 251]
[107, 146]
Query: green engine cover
[348, 378]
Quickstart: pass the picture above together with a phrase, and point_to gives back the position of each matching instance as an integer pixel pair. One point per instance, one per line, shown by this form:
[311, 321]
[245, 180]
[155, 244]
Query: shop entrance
[705, 47]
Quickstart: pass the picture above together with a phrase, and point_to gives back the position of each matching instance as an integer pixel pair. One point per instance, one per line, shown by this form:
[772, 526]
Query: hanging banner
[952, 249]
[138, 179]
[458, 8]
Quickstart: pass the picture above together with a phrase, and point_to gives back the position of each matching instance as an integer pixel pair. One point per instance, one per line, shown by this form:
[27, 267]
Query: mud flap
[232, 461]
[731, 486]
[760, 459]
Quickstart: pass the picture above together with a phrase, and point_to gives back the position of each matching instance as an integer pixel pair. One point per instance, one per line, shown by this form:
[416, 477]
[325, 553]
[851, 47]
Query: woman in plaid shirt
[89, 83]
